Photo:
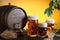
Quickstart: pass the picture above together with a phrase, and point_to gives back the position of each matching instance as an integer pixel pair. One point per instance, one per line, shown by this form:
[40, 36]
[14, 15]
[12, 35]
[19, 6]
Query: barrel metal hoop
[4, 25]
[2, 16]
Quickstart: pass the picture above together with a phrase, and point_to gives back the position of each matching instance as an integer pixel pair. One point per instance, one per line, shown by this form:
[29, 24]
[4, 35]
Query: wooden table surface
[28, 38]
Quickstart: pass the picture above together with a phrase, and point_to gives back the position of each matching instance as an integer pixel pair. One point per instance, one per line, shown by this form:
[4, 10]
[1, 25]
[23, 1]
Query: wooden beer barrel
[9, 15]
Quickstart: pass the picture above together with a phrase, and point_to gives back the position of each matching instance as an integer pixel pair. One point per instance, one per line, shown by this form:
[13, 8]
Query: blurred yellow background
[35, 7]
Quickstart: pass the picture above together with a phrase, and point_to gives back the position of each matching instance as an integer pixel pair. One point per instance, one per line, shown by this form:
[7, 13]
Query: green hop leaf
[48, 11]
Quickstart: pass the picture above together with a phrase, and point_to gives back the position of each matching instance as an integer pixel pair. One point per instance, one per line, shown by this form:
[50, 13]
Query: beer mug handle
[55, 30]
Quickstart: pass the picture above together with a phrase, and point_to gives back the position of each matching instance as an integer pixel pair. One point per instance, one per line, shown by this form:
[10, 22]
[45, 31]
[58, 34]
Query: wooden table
[28, 38]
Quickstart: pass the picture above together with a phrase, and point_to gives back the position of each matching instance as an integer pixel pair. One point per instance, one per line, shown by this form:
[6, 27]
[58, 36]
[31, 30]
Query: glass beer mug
[51, 31]
[50, 23]
[42, 29]
[32, 26]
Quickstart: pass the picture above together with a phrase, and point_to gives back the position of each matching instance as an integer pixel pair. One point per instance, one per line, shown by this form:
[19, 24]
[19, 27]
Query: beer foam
[50, 21]
[42, 24]
[32, 17]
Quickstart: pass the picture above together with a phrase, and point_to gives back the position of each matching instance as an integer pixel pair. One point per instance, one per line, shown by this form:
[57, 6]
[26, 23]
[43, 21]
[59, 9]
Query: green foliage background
[54, 4]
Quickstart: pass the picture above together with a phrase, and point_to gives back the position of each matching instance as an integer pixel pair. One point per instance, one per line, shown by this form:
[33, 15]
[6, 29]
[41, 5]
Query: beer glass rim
[50, 21]
[43, 25]
[32, 17]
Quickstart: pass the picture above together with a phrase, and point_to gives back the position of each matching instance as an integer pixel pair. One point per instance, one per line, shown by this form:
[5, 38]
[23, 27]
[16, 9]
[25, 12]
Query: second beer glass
[42, 29]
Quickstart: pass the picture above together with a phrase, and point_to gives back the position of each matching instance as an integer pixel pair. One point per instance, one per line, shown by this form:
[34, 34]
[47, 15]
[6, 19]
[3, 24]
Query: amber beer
[32, 26]
[50, 23]
[42, 29]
